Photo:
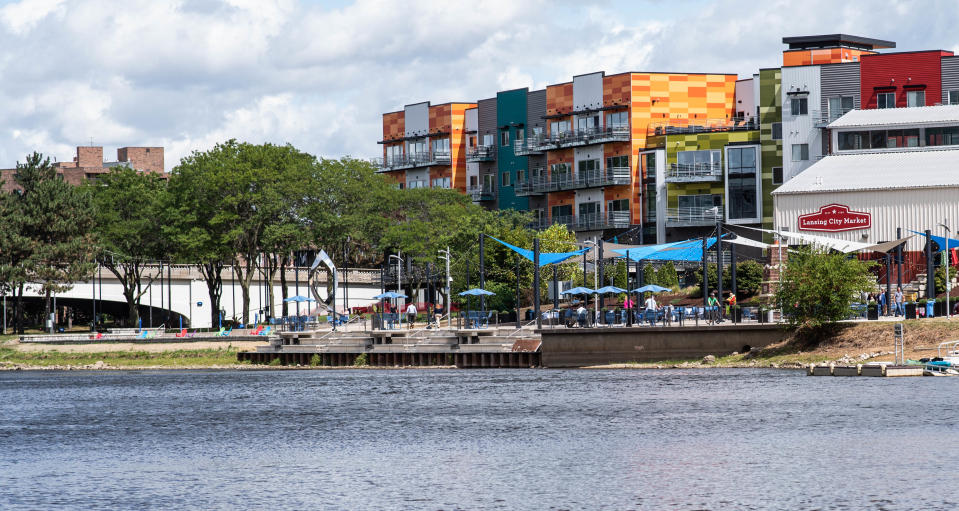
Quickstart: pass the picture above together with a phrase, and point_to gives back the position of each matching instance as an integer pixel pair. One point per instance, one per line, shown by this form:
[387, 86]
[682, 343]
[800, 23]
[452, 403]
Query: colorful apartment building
[663, 155]
[425, 146]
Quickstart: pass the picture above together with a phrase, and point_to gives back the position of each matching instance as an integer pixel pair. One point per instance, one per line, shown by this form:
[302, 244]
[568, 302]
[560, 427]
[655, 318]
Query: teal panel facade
[510, 125]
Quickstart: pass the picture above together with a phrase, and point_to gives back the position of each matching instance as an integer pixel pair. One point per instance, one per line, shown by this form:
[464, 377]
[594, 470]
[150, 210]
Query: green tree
[749, 278]
[818, 287]
[128, 220]
[47, 233]
[666, 275]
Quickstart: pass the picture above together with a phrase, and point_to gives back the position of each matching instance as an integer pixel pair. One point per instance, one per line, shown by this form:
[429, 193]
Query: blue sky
[185, 74]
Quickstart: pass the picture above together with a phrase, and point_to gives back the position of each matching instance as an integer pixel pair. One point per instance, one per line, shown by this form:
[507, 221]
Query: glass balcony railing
[574, 138]
[822, 119]
[691, 126]
[481, 192]
[679, 217]
[691, 172]
[540, 183]
[587, 222]
[425, 159]
[481, 153]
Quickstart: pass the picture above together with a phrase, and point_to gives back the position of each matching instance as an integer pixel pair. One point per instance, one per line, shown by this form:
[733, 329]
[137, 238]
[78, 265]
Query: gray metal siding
[535, 110]
[486, 116]
[839, 80]
[950, 77]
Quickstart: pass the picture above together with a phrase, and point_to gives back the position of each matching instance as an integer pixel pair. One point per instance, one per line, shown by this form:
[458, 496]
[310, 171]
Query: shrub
[362, 360]
[275, 362]
[818, 287]
[316, 360]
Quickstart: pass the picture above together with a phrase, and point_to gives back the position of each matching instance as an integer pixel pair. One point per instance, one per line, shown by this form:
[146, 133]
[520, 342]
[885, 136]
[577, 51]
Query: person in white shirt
[410, 315]
[651, 303]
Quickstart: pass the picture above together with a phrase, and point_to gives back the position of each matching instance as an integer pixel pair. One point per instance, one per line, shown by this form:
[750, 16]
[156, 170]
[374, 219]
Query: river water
[476, 439]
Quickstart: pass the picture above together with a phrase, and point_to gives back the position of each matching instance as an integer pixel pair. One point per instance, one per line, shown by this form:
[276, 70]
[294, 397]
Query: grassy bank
[176, 359]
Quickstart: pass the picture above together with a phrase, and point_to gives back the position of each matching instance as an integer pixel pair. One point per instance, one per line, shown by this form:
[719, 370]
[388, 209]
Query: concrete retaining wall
[574, 347]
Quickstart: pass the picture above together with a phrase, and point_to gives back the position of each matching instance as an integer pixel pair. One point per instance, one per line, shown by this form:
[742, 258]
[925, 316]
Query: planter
[911, 310]
[873, 313]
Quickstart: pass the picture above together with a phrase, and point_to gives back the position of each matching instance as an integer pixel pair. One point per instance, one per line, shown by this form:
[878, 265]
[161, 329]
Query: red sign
[834, 218]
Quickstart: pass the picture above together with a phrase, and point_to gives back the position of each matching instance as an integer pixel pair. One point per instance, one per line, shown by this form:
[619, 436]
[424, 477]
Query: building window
[902, 138]
[504, 138]
[473, 181]
[942, 136]
[799, 106]
[488, 181]
[617, 162]
[557, 128]
[696, 205]
[741, 174]
[587, 123]
[777, 131]
[560, 173]
[853, 140]
[589, 168]
[839, 106]
[537, 131]
[778, 177]
[441, 147]
[700, 161]
[562, 213]
[953, 99]
[886, 100]
[520, 134]
[488, 139]
[472, 141]
[800, 152]
[441, 182]
[915, 98]
[617, 120]
[418, 148]
[507, 179]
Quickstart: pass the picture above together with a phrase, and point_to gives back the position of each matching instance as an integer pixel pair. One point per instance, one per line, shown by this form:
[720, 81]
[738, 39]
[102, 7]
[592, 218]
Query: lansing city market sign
[835, 218]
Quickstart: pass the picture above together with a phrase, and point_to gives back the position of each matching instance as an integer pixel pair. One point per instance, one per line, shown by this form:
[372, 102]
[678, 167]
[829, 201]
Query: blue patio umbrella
[298, 298]
[650, 288]
[477, 292]
[578, 291]
[610, 289]
[389, 295]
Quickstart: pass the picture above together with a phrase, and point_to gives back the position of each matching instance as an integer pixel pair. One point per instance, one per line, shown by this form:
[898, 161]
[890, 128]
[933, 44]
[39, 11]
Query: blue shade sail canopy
[610, 289]
[578, 291]
[650, 288]
[545, 258]
[941, 241]
[477, 292]
[388, 295]
[688, 250]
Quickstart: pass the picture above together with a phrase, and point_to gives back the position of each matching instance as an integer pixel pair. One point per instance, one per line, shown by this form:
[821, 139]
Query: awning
[687, 250]
[941, 241]
[544, 257]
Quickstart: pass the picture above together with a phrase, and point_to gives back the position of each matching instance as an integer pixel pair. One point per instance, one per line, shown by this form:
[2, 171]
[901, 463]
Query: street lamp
[595, 273]
[948, 279]
[399, 285]
[449, 316]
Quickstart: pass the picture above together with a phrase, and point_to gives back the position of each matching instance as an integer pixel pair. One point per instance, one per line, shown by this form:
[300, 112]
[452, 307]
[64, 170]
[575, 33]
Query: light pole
[399, 284]
[595, 275]
[449, 316]
[948, 279]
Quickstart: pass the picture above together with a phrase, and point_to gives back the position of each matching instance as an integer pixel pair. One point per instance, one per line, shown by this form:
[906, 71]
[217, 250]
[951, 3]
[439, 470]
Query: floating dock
[874, 370]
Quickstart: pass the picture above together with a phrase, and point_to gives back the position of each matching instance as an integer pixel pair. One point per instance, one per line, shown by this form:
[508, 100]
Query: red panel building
[891, 80]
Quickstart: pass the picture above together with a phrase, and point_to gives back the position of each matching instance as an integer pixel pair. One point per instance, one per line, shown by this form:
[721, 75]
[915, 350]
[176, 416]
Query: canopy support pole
[899, 259]
[518, 324]
[482, 268]
[705, 282]
[888, 279]
[539, 317]
[719, 266]
[930, 268]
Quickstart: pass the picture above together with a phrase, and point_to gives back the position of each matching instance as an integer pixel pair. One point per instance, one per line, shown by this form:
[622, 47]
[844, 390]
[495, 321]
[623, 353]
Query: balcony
[612, 176]
[694, 172]
[822, 119]
[588, 222]
[425, 159]
[529, 145]
[576, 138]
[690, 217]
[703, 126]
[481, 193]
[481, 153]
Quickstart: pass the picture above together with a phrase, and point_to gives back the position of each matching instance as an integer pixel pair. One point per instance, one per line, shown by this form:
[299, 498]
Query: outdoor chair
[581, 319]
[650, 316]
[265, 331]
[182, 333]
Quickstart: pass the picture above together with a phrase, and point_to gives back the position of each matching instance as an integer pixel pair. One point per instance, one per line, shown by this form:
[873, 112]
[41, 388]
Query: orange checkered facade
[822, 56]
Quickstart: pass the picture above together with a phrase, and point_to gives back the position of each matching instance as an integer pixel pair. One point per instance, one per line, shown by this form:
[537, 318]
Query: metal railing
[687, 126]
[573, 138]
[612, 176]
[480, 192]
[822, 119]
[690, 172]
[586, 222]
[407, 161]
[481, 153]
[693, 216]
[528, 145]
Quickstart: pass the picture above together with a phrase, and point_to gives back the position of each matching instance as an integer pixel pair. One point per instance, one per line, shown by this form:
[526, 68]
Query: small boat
[946, 363]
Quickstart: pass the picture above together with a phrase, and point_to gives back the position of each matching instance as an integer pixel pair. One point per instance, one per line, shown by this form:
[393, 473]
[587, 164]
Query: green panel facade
[510, 125]
[770, 112]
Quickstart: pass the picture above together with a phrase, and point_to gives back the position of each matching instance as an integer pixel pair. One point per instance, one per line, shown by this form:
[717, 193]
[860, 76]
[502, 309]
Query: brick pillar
[771, 277]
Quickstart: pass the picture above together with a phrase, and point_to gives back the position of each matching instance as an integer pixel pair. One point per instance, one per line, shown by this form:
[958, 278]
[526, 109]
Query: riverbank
[853, 343]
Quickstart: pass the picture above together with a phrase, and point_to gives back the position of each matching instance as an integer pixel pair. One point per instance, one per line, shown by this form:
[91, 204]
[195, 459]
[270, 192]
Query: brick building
[89, 163]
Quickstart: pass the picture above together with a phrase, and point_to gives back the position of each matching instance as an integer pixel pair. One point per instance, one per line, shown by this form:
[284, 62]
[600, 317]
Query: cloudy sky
[185, 74]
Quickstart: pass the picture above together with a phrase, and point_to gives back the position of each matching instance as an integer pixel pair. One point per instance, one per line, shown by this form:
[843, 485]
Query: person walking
[410, 315]
[713, 303]
[650, 306]
[882, 304]
[898, 300]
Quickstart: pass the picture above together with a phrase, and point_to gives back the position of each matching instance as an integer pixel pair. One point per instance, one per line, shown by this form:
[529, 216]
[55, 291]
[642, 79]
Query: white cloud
[186, 74]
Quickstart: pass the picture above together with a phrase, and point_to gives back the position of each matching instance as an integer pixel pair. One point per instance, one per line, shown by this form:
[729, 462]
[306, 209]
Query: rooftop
[877, 171]
[898, 116]
[833, 40]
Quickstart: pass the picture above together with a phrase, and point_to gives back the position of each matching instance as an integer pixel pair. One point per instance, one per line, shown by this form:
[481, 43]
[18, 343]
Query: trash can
[930, 309]
[911, 310]
[873, 312]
